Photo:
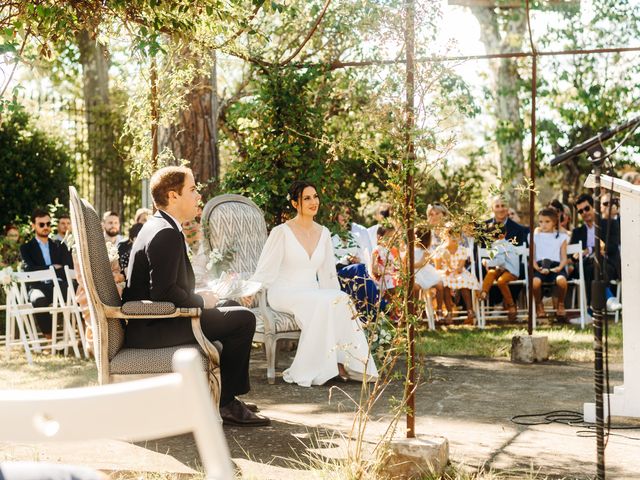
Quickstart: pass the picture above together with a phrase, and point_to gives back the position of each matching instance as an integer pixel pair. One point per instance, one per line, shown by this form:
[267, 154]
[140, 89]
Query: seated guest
[437, 215]
[550, 259]
[10, 247]
[40, 253]
[142, 214]
[352, 244]
[632, 177]
[160, 270]
[64, 227]
[451, 258]
[111, 226]
[514, 233]
[610, 207]
[385, 262]
[585, 234]
[352, 251]
[560, 211]
[503, 267]
[383, 216]
[426, 275]
[124, 247]
[513, 215]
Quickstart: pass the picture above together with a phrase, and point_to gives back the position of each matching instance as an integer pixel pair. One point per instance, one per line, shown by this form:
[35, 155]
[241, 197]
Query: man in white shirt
[64, 226]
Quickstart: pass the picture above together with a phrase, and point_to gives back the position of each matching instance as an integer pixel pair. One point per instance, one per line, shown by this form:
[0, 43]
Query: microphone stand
[597, 156]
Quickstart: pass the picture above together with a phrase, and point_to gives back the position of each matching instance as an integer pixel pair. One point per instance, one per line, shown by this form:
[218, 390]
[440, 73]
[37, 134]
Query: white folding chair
[155, 407]
[77, 322]
[485, 309]
[580, 289]
[617, 284]
[21, 311]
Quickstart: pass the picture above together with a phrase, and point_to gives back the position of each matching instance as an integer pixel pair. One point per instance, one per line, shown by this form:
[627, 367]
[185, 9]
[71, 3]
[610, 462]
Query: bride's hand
[247, 301]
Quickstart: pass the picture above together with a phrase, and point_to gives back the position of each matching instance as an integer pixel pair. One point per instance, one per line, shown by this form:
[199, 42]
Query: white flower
[5, 275]
[215, 256]
[112, 252]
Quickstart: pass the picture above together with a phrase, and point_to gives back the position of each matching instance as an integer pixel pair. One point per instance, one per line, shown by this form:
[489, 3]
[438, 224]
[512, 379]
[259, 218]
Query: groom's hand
[210, 299]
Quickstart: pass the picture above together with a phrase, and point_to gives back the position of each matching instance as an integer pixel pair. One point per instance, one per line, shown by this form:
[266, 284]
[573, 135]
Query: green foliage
[588, 93]
[35, 169]
[285, 133]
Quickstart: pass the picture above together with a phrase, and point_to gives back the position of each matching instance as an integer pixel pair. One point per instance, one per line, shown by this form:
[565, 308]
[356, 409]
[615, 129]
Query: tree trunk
[108, 192]
[193, 134]
[510, 127]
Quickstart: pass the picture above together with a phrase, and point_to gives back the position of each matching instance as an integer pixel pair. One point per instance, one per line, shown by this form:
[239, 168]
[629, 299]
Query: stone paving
[469, 401]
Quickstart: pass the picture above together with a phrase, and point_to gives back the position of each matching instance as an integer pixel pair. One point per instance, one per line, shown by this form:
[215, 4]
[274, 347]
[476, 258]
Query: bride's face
[309, 202]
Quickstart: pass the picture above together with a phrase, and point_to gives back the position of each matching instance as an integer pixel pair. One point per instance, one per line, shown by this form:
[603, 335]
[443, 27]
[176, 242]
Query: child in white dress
[451, 258]
[426, 275]
[550, 255]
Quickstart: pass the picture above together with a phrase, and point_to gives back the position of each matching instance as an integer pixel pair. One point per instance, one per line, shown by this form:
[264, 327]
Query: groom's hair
[165, 180]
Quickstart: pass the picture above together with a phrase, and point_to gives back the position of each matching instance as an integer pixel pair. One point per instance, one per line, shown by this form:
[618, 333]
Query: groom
[160, 270]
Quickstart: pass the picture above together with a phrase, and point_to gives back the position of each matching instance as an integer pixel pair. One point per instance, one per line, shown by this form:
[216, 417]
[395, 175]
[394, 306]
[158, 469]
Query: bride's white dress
[308, 288]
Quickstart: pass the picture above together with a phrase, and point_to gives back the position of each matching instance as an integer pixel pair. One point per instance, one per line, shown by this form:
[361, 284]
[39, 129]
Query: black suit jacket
[514, 231]
[612, 244]
[160, 270]
[32, 259]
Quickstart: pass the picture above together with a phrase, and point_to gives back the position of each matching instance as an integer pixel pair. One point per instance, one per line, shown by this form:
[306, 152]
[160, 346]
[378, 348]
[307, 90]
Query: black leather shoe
[235, 413]
[251, 406]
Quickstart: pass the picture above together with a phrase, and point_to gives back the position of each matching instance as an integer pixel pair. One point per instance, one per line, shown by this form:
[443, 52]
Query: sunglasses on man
[44, 224]
[584, 210]
[606, 204]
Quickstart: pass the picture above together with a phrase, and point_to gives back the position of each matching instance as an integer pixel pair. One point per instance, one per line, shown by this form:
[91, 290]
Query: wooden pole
[532, 168]
[409, 210]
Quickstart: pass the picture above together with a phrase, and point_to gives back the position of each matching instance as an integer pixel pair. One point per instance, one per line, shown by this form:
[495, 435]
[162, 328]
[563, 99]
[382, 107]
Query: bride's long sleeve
[270, 258]
[327, 275]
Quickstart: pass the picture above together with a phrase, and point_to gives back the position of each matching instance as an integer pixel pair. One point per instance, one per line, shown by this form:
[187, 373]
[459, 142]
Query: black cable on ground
[572, 419]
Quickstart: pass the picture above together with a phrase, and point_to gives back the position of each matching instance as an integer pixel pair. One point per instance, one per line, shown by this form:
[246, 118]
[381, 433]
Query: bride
[297, 267]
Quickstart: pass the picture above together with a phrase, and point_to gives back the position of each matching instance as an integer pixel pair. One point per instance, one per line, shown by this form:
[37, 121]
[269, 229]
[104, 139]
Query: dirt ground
[469, 401]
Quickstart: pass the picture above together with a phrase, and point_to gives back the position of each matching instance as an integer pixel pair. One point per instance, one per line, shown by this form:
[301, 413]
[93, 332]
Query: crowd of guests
[446, 266]
[368, 261]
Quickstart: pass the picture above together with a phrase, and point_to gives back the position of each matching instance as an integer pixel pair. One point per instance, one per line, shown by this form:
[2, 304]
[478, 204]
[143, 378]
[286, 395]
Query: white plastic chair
[576, 248]
[155, 407]
[523, 255]
[20, 311]
[74, 311]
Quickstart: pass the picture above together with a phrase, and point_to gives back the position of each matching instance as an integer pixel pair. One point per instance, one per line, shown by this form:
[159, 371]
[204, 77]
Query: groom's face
[188, 200]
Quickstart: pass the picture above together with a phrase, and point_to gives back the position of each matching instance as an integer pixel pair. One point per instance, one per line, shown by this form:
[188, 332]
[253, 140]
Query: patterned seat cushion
[285, 322]
[146, 307]
[139, 360]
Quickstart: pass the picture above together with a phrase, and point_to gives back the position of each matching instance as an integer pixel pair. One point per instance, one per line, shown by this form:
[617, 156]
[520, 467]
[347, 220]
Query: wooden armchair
[108, 314]
[233, 221]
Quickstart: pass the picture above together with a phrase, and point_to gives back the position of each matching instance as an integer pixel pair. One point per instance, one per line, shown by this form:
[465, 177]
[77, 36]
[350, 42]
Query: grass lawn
[567, 343]
[47, 371]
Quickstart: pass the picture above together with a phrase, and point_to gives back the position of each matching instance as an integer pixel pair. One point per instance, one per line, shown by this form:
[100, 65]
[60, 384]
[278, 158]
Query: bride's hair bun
[296, 189]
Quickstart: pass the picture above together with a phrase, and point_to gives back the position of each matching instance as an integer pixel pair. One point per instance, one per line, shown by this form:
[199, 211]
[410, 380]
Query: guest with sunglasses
[40, 253]
[585, 234]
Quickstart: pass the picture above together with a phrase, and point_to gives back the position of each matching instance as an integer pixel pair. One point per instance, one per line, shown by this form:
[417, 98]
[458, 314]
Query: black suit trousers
[589, 273]
[41, 295]
[230, 324]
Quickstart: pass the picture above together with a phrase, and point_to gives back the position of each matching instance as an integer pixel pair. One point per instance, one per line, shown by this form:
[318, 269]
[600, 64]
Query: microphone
[594, 141]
